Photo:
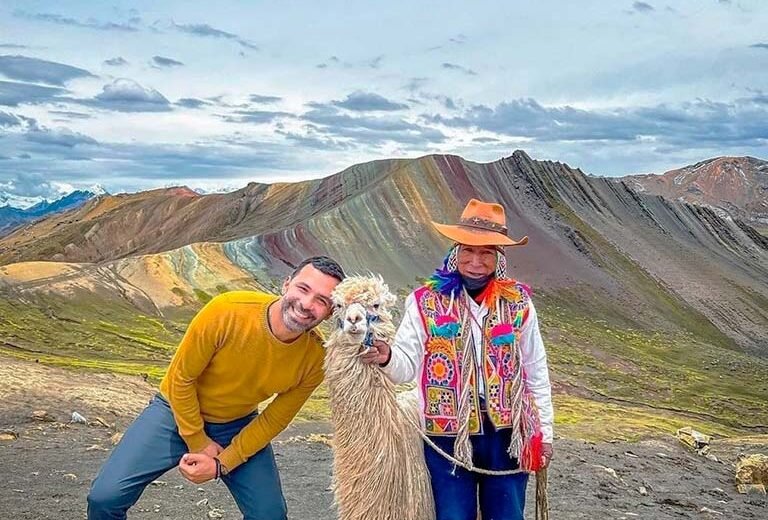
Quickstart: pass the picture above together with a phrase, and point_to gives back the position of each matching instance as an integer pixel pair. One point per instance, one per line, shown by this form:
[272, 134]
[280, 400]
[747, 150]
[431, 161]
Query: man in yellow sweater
[240, 349]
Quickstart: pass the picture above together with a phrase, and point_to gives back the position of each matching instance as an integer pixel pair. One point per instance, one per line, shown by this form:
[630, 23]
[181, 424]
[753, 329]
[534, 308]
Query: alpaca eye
[376, 305]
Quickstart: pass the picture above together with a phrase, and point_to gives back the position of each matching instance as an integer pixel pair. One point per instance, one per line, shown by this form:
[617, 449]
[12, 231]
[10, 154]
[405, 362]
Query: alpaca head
[362, 305]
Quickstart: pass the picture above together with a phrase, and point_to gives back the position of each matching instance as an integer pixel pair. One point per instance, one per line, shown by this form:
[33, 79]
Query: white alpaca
[378, 458]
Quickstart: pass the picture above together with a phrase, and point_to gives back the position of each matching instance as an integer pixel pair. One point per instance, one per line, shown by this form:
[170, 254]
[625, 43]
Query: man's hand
[212, 450]
[197, 467]
[378, 353]
[546, 453]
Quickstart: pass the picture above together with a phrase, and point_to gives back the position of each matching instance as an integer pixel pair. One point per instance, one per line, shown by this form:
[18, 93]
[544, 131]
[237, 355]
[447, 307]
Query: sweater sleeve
[408, 347]
[204, 335]
[275, 418]
[534, 359]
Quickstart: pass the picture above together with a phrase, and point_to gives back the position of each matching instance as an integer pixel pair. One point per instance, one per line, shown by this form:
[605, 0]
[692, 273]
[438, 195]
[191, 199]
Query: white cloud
[613, 92]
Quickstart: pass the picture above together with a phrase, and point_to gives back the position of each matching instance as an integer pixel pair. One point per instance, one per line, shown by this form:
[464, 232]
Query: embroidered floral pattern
[440, 369]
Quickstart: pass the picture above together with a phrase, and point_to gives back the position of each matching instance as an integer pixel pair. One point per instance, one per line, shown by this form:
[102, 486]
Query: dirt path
[50, 465]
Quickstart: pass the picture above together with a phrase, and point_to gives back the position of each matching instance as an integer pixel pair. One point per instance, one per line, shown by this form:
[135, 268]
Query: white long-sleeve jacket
[408, 355]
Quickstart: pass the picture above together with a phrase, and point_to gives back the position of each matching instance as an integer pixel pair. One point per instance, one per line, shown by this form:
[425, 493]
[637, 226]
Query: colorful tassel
[445, 282]
[496, 288]
[518, 320]
[502, 333]
[530, 458]
[445, 326]
[506, 339]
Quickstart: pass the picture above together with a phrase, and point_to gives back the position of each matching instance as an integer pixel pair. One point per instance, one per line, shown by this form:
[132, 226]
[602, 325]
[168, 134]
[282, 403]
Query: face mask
[473, 284]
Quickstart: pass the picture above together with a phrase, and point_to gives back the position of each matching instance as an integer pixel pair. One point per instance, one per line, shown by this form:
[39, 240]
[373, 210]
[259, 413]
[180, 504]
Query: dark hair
[324, 264]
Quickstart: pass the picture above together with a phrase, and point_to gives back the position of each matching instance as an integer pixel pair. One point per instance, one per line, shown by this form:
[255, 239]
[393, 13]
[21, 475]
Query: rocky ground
[49, 462]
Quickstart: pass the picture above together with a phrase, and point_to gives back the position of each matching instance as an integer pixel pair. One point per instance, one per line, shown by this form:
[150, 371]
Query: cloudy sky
[132, 95]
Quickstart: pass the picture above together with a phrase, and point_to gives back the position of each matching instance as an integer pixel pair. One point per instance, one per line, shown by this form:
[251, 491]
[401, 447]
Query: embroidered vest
[499, 365]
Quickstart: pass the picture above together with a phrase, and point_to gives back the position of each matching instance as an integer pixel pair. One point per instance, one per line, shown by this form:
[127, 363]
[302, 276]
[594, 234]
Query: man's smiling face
[306, 299]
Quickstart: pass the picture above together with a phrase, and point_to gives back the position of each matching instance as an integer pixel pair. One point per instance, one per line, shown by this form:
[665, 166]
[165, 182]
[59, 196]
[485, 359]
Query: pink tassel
[502, 329]
[443, 319]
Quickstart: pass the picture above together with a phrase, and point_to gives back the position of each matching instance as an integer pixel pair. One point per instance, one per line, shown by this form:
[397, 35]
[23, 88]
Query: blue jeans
[458, 492]
[152, 445]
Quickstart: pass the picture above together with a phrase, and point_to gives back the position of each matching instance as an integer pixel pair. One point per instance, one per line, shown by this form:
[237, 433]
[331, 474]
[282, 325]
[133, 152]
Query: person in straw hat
[471, 339]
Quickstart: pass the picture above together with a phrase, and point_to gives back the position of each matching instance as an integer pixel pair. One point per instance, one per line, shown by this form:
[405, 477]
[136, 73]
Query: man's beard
[293, 316]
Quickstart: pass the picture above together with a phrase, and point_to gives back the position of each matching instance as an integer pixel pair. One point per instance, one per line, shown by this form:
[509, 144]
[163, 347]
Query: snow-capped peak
[18, 201]
[97, 189]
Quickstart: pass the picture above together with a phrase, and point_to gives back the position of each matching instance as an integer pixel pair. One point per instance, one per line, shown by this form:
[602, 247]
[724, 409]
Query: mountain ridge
[380, 221]
[642, 300]
[12, 217]
[166, 218]
[735, 186]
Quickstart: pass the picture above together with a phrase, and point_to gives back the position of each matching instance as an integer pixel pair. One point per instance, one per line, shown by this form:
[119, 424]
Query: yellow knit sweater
[228, 363]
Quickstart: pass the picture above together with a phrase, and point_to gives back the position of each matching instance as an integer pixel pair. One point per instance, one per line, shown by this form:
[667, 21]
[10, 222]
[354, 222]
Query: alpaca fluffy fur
[378, 459]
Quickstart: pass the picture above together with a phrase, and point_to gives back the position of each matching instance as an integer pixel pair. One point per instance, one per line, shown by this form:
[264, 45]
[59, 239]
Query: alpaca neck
[354, 387]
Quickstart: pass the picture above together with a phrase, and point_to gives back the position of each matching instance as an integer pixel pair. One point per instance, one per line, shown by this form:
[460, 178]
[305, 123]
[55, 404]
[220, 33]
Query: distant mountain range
[18, 201]
[17, 211]
[167, 218]
[735, 186]
[644, 299]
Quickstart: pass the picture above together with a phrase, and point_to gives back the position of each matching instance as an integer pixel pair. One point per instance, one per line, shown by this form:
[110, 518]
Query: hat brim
[477, 237]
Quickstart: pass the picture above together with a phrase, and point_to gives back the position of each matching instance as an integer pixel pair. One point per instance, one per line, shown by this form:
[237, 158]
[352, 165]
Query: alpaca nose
[354, 318]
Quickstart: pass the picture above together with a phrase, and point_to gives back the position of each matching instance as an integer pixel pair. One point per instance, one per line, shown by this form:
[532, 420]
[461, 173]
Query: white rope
[470, 466]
